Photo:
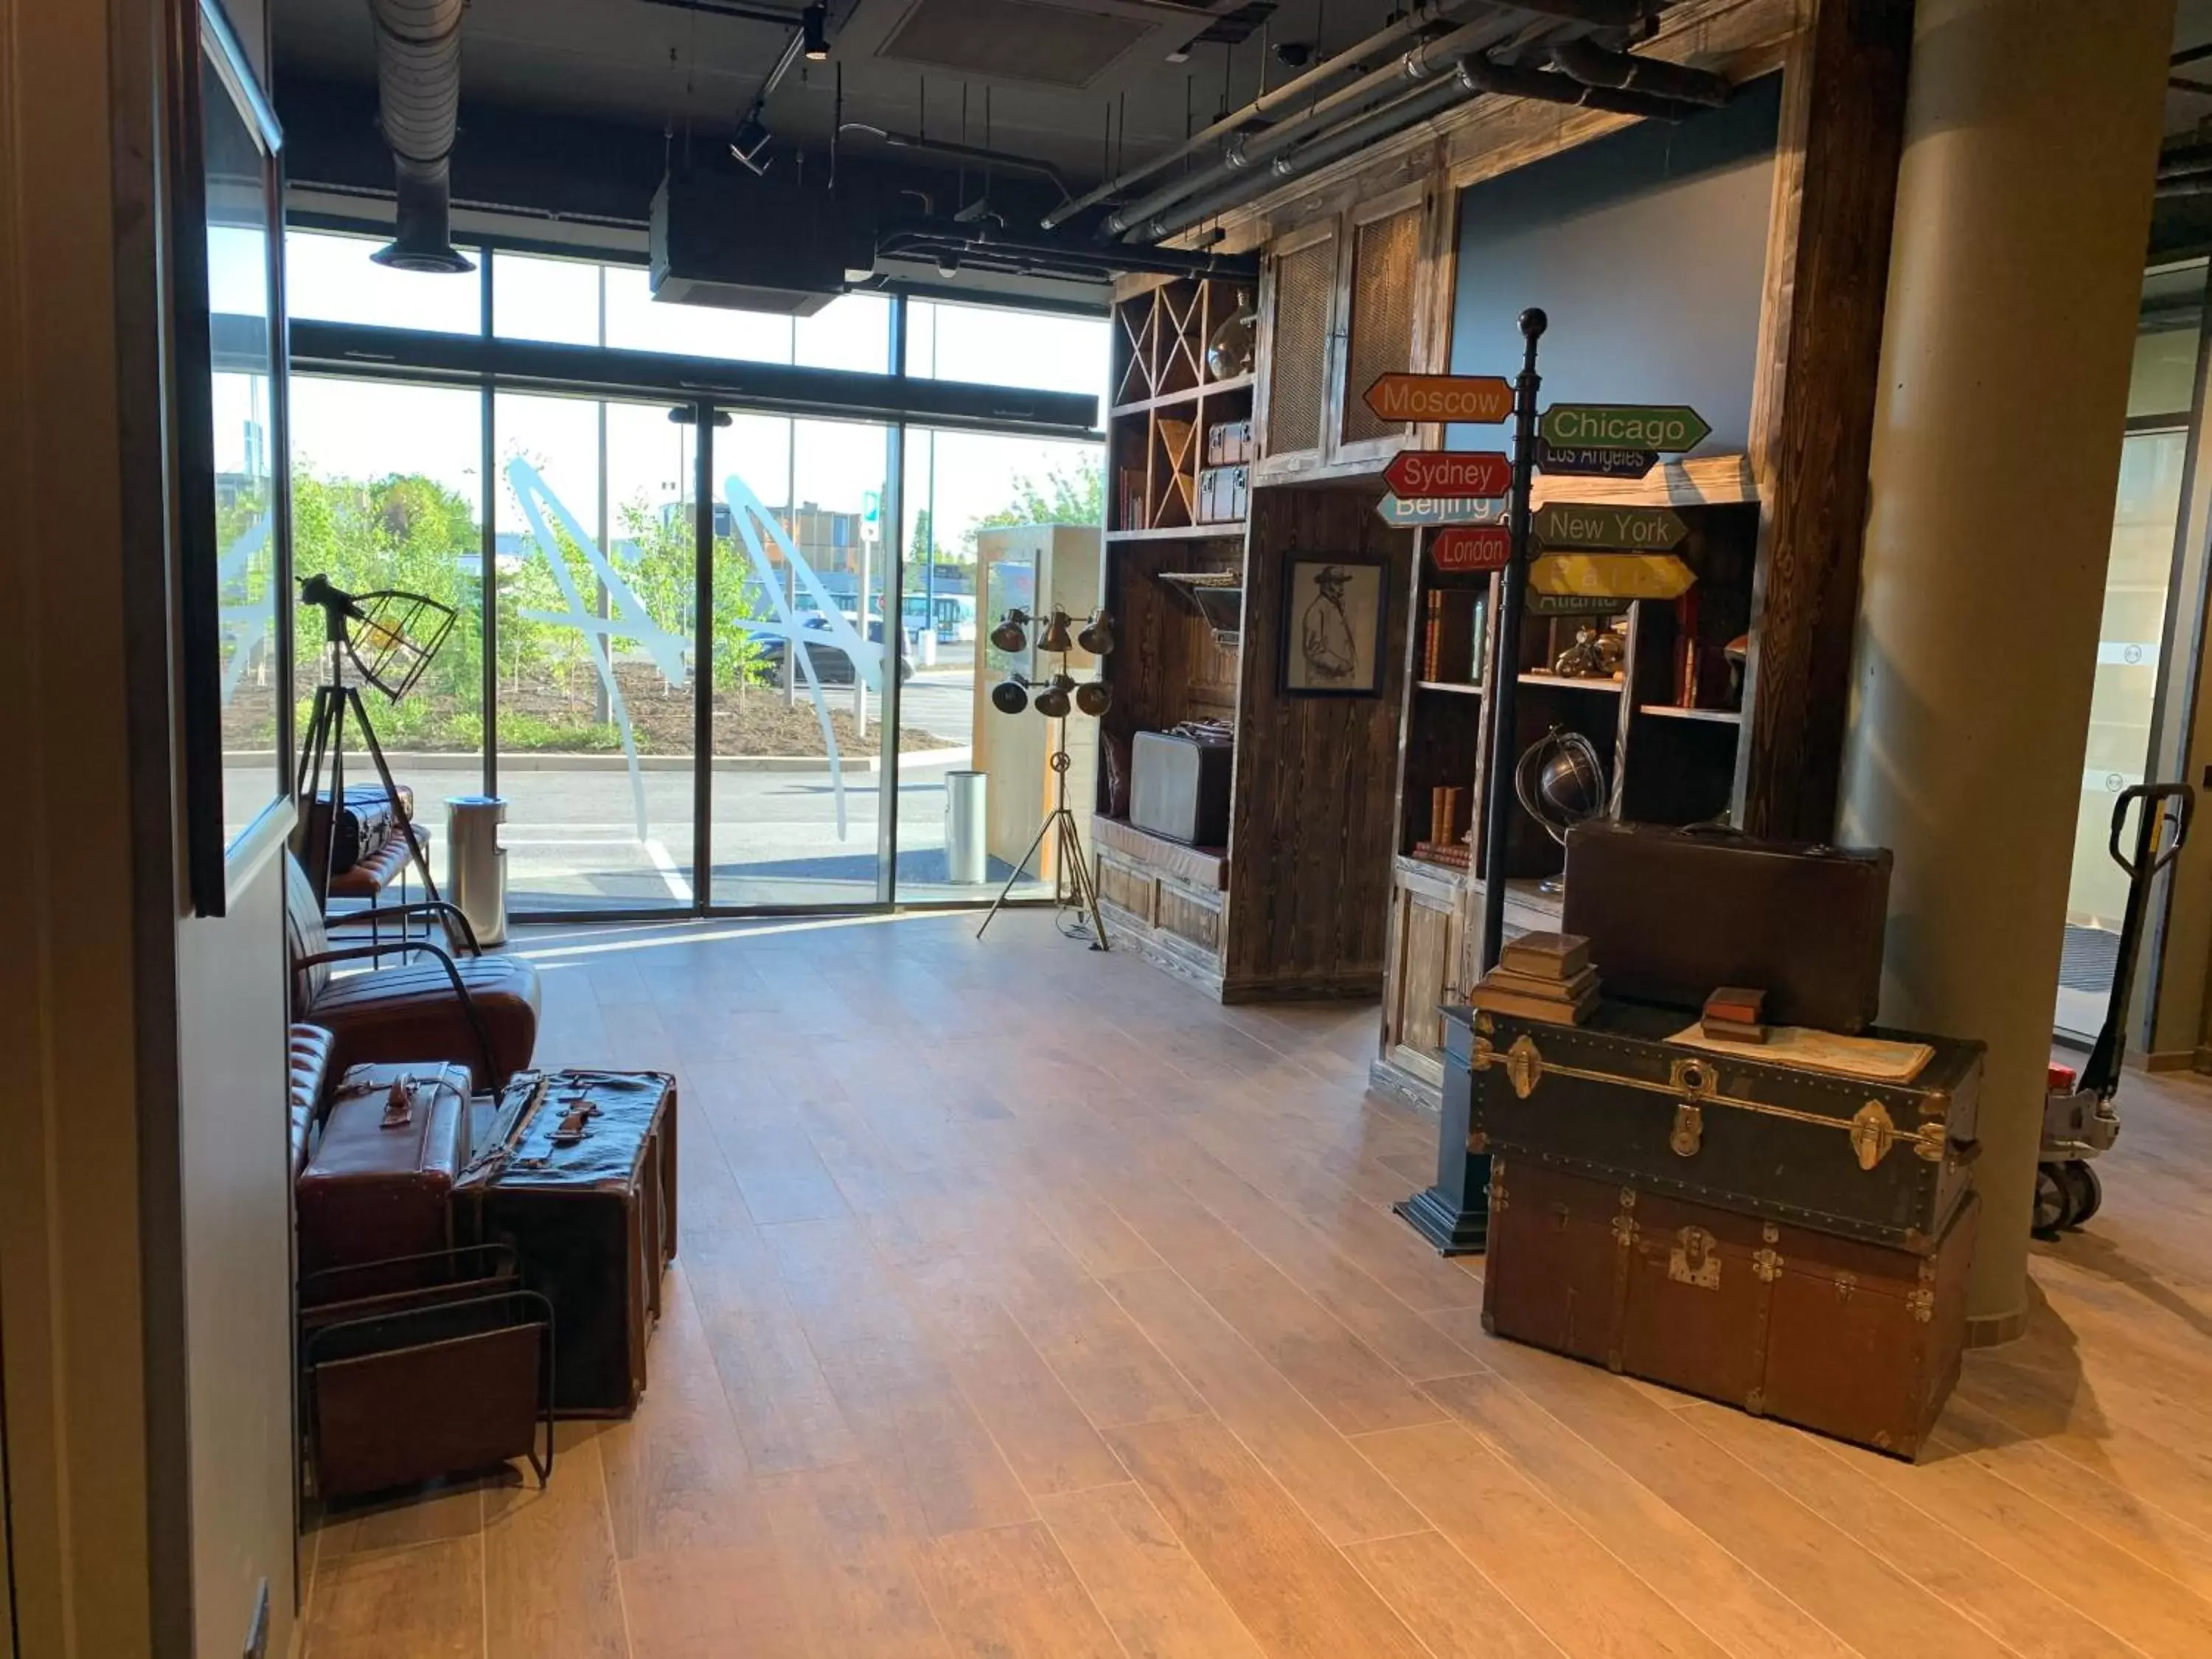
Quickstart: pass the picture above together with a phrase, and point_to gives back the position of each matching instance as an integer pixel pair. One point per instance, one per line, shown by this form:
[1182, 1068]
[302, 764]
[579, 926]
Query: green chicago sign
[1670, 428]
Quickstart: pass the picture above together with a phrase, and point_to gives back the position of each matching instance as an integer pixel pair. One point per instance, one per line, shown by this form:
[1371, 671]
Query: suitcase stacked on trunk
[1790, 1241]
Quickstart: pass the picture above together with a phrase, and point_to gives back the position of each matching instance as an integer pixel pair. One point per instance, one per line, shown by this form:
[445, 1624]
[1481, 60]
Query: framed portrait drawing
[1333, 614]
[234, 620]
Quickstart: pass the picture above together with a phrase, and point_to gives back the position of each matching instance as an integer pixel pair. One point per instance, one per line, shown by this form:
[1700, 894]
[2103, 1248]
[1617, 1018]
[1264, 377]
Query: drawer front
[1130, 886]
[1190, 914]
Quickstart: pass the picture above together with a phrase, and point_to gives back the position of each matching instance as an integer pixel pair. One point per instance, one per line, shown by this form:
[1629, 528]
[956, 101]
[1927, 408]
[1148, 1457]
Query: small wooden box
[1221, 493]
[1856, 1339]
[1229, 443]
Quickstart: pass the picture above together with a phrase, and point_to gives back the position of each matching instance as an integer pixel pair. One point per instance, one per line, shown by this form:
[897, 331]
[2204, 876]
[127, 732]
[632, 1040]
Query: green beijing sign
[1670, 428]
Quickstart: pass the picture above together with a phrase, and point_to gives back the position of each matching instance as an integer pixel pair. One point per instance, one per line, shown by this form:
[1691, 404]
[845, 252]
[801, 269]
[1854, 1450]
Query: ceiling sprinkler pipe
[1422, 64]
[1594, 66]
[418, 83]
[1513, 82]
[1415, 20]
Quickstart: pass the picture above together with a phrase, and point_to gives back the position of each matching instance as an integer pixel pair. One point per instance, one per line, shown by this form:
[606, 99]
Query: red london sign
[1431, 472]
[1472, 547]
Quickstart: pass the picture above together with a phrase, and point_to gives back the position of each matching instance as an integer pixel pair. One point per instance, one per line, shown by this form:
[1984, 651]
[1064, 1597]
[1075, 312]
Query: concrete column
[2032, 131]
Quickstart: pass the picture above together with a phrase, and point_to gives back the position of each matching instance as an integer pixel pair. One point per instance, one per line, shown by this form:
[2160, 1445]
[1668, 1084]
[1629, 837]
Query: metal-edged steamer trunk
[1885, 1161]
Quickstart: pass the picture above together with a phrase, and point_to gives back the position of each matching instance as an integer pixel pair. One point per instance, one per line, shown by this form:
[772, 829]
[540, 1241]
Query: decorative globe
[1571, 783]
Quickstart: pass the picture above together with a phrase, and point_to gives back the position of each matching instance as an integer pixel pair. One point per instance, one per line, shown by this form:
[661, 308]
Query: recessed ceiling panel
[1013, 39]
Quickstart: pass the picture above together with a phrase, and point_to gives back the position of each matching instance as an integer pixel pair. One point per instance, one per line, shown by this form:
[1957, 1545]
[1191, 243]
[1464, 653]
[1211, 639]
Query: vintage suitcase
[1855, 1340]
[1179, 788]
[1886, 1162]
[1673, 914]
[579, 1176]
[379, 1180]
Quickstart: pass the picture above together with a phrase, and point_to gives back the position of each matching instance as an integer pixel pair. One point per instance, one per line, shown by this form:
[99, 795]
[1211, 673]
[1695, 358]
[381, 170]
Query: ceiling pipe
[1594, 66]
[1470, 78]
[1085, 259]
[1245, 152]
[1301, 86]
[957, 152]
[418, 85]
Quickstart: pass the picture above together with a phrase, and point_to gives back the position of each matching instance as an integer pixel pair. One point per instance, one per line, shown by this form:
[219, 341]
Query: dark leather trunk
[1612, 1099]
[1674, 914]
[581, 1180]
[378, 1185]
[1854, 1339]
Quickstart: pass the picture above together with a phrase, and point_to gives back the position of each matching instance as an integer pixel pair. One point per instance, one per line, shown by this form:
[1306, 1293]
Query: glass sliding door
[597, 567]
[992, 524]
[387, 492]
[802, 657]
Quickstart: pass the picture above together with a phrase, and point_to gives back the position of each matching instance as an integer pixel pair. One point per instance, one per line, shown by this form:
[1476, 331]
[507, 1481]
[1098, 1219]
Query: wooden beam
[1835, 191]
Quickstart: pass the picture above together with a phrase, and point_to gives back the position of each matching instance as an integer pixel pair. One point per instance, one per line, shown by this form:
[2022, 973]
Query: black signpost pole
[1506, 666]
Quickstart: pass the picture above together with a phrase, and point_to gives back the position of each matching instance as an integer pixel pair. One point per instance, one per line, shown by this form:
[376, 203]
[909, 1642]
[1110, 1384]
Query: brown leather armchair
[476, 1011]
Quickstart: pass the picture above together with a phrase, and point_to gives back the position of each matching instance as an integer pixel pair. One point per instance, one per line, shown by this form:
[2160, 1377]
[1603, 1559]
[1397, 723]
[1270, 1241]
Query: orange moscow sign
[1478, 398]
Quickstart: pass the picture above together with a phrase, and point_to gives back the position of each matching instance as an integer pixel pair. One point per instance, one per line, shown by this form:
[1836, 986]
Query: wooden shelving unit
[1164, 404]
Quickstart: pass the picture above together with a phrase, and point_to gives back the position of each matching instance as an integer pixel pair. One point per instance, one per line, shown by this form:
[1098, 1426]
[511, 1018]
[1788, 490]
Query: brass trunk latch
[1767, 1260]
[1623, 1225]
[1871, 1132]
[1524, 1066]
[1689, 1130]
[1695, 1259]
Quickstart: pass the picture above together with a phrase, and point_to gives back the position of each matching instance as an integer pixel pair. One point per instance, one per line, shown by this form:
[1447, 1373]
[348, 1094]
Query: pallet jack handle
[2160, 829]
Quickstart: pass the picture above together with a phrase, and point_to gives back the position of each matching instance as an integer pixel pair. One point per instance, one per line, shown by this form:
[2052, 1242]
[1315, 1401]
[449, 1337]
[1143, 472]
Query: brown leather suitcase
[379, 1182]
[579, 1176]
[1674, 914]
[1853, 1339]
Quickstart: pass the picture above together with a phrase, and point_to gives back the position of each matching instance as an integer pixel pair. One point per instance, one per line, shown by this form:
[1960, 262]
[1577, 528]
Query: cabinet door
[1425, 968]
[1382, 291]
[1300, 304]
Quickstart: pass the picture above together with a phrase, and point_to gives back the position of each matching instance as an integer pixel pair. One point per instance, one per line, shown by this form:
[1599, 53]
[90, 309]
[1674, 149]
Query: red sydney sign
[1472, 547]
[1449, 472]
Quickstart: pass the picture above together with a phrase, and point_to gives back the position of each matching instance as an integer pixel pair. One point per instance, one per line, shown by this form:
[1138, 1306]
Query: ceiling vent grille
[1013, 39]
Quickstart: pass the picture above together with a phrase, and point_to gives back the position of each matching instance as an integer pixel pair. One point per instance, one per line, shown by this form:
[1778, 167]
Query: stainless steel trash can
[967, 851]
[476, 864]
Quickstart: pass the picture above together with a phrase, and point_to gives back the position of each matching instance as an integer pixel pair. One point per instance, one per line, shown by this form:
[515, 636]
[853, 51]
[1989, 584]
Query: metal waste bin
[476, 864]
[967, 854]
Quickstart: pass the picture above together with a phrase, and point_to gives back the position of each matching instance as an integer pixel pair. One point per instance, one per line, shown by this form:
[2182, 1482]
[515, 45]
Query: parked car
[831, 666]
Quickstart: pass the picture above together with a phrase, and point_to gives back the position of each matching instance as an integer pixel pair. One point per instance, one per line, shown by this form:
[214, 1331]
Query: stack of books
[1735, 1014]
[1457, 854]
[1545, 976]
[1447, 813]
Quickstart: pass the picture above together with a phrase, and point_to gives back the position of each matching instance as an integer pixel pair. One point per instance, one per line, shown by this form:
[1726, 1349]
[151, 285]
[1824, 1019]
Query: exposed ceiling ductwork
[418, 83]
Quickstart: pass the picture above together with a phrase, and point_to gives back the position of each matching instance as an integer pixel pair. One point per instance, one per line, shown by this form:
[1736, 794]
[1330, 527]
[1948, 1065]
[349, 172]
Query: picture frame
[1335, 608]
[234, 525]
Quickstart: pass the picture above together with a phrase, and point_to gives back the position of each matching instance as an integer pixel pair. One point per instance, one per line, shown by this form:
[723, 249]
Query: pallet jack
[2079, 1120]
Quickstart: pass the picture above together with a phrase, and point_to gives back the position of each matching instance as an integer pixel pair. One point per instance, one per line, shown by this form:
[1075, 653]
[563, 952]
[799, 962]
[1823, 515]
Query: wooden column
[1835, 188]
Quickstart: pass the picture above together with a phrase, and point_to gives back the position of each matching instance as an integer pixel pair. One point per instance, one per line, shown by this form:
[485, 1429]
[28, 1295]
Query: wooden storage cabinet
[1165, 898]
[1427, 966]
[1363, 293]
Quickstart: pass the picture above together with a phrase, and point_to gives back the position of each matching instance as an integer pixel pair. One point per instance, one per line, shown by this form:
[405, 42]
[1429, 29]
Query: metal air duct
[1594, 66]
[418, 85]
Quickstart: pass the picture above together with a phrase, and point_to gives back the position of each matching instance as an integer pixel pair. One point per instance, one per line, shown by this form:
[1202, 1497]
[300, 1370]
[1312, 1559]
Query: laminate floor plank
[1152, 1595]
[1317, 1466]
[1008, 1593]
[1300, 1597]
[1043, 1305]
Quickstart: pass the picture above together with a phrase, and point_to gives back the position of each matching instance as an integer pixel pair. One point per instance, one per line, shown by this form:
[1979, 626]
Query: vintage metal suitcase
[1179, 788]
[1852, 1338]
[379, 1180]
[1886, 1162]
[580, 1178]
[1674, 914]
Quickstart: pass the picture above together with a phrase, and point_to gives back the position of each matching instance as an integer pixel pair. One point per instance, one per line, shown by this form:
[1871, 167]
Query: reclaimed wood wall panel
[1311, 823]
[1843, 133]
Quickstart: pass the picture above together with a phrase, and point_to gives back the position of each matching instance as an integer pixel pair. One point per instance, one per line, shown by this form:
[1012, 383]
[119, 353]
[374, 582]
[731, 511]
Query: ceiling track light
[814, 25]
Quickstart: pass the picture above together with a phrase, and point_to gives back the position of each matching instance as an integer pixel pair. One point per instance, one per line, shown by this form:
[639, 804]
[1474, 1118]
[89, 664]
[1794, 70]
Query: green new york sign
[1631, 528]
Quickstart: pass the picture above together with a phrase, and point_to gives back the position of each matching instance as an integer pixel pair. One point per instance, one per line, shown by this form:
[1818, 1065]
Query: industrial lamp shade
[1052, 702]
[1097, 635]
[1094, 697]
[1056, 638]
[1010, 635]
[1009, 697]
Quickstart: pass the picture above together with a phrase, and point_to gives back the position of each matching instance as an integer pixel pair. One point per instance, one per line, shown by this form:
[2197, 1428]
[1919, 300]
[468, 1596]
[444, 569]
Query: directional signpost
[1588, 463]
[1421, 511]
[1670, 428]
[1612, 575]
[1414, 472]
[1618, 529]
[1571, 604]
[1472, 547]
[1482, 399]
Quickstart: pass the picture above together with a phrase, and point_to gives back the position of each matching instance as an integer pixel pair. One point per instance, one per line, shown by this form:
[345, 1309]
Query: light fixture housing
[1097, 635]
[1011, 696]
[1094, 697]
[1011, 634]
[814, 25]
[1055, 638]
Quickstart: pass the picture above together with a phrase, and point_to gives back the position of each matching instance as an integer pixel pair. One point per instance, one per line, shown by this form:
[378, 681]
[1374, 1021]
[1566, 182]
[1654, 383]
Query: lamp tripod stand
[1071, 874]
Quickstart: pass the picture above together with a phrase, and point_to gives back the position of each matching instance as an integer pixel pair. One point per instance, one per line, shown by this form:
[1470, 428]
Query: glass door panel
[387, 492]
[596, 563]
[801, 655]
[992, 523]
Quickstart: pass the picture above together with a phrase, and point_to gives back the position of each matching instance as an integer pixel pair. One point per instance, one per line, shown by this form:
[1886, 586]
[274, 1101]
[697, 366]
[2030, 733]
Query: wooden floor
[1030, 1306]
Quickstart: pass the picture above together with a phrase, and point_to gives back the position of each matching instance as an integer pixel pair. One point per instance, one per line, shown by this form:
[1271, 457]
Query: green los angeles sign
[1670, 428]
[1629, 529]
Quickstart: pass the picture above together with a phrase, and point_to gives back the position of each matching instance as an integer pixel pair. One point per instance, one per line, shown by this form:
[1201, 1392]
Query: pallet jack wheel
[2084, 1189]
[2054, 1200]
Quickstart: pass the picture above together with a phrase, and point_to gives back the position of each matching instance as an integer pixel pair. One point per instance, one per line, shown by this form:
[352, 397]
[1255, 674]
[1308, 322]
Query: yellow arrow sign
[1612, 575]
